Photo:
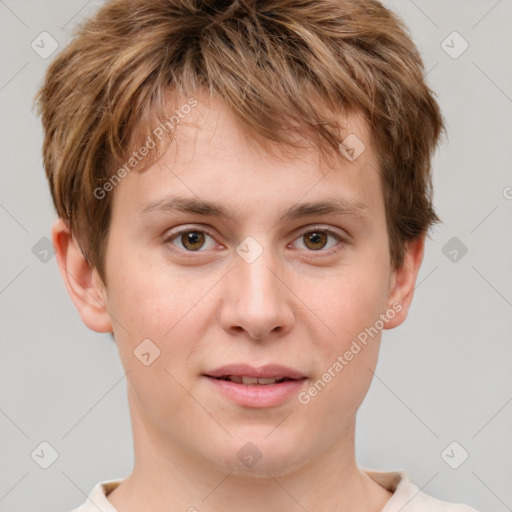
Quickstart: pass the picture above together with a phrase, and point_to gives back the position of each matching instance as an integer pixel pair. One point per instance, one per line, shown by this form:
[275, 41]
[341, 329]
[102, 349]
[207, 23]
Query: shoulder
[97, 498]
[408, 498]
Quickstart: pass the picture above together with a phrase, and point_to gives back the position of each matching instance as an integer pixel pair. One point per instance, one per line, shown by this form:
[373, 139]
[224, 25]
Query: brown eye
[315, 240]
[192, 240]
[323, 241]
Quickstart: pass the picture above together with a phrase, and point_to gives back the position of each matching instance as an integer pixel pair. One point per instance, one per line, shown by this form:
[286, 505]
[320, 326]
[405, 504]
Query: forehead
[218, 164]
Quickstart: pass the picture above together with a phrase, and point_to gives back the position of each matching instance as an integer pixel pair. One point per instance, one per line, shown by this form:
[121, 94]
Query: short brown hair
[266, 60]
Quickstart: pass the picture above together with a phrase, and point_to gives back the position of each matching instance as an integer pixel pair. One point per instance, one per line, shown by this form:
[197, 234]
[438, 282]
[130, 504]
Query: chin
[261, 454]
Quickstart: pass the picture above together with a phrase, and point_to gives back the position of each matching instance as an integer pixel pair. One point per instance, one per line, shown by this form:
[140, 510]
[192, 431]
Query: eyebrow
[348, 207]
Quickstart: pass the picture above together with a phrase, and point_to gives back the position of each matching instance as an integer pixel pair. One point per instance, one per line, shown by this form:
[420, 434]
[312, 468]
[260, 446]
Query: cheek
[348, 303]
[156, 330]
[147, 298]
[165, 306]
[345, 362]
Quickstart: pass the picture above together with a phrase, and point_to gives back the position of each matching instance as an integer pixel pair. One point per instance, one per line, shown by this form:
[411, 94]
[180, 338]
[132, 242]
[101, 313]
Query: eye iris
[192, 240]
[315, 237]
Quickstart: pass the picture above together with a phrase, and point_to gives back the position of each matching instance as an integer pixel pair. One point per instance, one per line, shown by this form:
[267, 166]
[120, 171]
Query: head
[241, 112]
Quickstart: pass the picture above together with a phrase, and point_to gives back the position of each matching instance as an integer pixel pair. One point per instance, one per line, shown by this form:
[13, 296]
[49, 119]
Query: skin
[298, 304]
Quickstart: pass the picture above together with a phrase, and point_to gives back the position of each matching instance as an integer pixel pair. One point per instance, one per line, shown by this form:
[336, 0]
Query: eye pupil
[192, 240]
[315, 237]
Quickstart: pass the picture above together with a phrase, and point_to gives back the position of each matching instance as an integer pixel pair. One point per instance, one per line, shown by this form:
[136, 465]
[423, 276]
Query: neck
[168, 477]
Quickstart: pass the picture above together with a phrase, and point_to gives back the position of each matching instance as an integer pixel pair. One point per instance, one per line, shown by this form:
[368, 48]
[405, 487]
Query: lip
[257, 395]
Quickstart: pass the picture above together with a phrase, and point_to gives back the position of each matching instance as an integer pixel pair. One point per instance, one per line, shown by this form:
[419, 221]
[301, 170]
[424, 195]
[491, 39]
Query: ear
[82, 281]
[403, 281]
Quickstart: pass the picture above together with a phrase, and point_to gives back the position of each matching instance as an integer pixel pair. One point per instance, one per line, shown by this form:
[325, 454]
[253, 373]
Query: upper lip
[268, 371]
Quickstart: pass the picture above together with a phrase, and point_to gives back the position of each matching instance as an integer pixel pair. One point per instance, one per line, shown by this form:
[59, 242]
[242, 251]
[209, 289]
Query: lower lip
[258, 395]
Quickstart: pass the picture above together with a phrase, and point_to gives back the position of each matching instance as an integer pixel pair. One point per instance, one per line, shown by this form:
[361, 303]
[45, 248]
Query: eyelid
[326, 229]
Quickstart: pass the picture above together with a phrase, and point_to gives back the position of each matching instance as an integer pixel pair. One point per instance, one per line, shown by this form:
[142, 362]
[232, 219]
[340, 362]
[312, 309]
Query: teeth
[251, 380]
[266, 381]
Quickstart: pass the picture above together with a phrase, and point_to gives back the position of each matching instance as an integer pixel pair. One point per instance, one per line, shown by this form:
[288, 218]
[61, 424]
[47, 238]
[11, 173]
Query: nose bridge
[256, 282]
[258, 285]
[258, 300]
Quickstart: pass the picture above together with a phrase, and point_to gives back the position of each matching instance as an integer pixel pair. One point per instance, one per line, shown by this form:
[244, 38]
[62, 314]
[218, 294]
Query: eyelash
[333, 250]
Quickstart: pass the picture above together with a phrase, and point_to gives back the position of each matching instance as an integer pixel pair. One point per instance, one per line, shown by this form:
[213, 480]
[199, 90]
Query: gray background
[443, 376]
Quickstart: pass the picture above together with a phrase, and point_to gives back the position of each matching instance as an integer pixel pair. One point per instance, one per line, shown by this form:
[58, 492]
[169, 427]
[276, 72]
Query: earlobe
[81, 280]
[403, 282]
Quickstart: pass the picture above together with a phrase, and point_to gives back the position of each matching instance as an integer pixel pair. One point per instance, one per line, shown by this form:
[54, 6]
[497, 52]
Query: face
[220, 267]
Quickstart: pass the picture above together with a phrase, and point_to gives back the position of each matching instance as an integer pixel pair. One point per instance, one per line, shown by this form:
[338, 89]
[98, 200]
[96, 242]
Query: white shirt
[406, 496]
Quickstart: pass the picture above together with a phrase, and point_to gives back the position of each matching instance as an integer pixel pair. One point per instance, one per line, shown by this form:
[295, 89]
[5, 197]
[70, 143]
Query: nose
[256, 299]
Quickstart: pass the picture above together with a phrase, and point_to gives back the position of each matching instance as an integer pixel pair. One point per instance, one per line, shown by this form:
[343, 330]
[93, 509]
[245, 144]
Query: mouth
[250, 375]
[251, 381]
[266, 386]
